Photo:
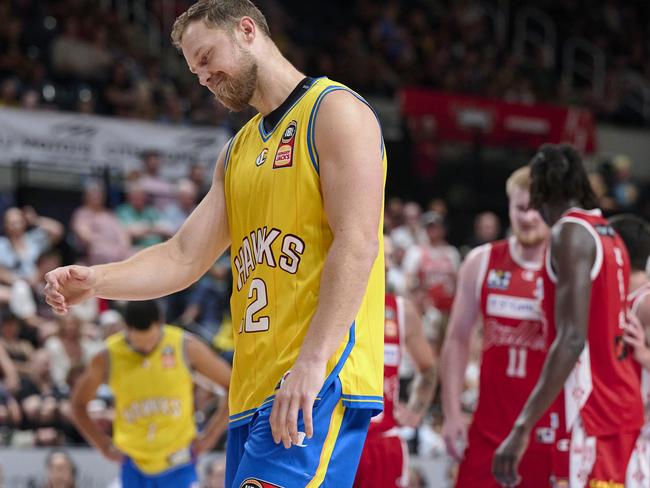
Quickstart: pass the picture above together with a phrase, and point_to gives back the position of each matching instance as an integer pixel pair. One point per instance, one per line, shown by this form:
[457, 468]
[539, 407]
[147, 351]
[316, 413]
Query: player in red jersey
[585, 301]
[501, 281]
[635, 233]
[384, 460]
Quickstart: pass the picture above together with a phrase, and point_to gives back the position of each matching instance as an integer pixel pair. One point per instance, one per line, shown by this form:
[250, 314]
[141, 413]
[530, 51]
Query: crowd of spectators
[41, 354]
[73, 55]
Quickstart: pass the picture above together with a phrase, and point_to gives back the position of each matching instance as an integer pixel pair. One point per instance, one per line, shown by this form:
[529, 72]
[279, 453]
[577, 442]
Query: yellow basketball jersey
[280, 239]
[154, 401]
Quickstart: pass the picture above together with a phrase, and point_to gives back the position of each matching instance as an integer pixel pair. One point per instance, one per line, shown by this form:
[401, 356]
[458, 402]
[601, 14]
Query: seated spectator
[160, 190]
[21, 246]
[208, 301]
[177, 212]
[9, 384]
[19, 350]
[98, 231]
[142, 221]
[67, 349]
[39, 400]
[61, 470]
[197, 175]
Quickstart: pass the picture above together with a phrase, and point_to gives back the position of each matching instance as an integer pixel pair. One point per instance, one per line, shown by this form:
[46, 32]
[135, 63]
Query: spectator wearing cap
[99, 234]
[431, 271]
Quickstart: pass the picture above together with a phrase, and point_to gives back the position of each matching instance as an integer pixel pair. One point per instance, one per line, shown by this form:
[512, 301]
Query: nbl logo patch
[257, 483]
[499, 280]
[284, 154]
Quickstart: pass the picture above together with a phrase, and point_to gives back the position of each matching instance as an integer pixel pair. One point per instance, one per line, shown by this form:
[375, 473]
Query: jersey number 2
[516, 362]
[251, 324]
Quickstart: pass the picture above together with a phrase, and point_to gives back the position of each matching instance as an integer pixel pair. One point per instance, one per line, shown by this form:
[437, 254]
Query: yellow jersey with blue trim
[280, 240]
[154, 401]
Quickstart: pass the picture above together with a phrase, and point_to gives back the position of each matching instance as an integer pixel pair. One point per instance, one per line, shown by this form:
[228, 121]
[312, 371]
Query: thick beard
[530, 239]
[235, 92]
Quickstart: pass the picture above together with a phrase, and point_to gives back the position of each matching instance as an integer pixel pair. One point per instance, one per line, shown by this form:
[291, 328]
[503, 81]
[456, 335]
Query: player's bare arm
[83, 392]
[158, 270]
[349, 144]
[424, 383]
[455, 351]
[573, 252]
[203, 360]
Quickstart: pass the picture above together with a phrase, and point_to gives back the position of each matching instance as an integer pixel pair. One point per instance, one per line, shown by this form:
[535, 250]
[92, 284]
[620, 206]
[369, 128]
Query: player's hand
[507, 457]
[454, 431]
[407, 417]
[297, 392]
[635, 337]
[112, 453]
[68, 286]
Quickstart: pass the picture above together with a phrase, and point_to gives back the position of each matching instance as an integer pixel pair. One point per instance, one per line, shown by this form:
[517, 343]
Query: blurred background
[107, 142]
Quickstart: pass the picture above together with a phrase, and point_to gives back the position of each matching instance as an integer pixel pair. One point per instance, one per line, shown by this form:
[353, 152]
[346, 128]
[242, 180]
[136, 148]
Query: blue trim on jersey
[311, 126]
[226, 158]
[241, 417]
[370, 398]
[260, 126]
[375, 403]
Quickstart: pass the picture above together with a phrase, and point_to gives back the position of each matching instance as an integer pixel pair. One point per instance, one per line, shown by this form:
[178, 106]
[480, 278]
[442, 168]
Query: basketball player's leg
[329, 458]
[475, 470]
[384, 462]
[613, 455]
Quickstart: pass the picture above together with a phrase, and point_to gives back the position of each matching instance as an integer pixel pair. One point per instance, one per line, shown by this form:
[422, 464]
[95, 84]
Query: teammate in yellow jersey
[298, 196]
[149, 369]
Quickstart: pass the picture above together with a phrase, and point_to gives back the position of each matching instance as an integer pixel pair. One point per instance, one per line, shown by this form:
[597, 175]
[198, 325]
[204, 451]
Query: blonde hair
[519, 179]
[218, 13]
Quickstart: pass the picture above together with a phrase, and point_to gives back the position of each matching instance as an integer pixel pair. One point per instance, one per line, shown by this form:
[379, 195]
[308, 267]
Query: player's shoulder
[479, 253]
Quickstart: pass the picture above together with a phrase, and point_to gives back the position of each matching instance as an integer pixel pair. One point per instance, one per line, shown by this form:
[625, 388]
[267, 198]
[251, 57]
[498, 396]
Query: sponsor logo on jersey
[529, 334]
[168, 357]
[284, 154]
[257, 483]
[261, 158]
[509, 307]
[391, 355]
[499, 280]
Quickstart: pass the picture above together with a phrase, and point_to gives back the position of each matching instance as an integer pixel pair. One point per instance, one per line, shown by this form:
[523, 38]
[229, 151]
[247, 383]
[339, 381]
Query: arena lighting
[474, 119]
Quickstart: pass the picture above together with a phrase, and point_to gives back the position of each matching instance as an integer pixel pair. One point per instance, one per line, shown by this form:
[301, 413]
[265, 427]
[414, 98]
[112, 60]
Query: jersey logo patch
[168, 357]
[284, 153]
[261, 158]
[390, 328]
[498, 279]
[257, 483]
